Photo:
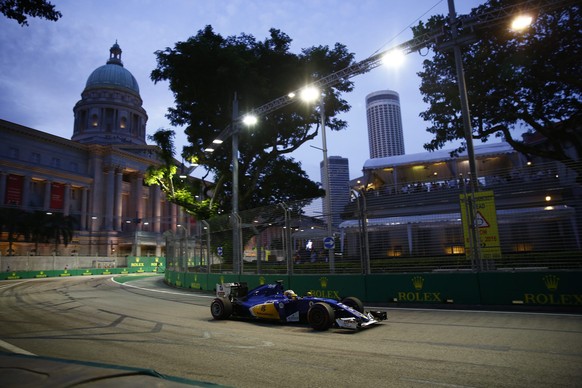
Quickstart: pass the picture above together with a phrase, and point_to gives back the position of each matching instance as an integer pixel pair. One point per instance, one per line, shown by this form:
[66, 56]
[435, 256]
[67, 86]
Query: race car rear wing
[231, 290]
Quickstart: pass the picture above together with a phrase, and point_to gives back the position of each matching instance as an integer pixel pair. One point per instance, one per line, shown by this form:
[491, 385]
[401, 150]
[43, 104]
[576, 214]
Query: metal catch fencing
[417, 229]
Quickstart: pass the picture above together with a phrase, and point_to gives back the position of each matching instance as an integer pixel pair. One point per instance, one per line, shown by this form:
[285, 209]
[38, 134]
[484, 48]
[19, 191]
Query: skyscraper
[385, 134]
[339, 179]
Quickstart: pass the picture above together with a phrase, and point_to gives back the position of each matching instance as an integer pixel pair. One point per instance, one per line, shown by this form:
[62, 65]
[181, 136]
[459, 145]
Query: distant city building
[339, 186]
[385, 134]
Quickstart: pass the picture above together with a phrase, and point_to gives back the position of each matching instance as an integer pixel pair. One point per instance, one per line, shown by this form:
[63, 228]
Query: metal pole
[365, 234]
[236, 254]
[468, 132]
[185, 259]
[327, 200]
[208, 253]
[287, 239]
[91, 237]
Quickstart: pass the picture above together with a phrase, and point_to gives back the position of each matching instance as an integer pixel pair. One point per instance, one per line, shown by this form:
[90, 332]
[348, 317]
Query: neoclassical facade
[97, 176]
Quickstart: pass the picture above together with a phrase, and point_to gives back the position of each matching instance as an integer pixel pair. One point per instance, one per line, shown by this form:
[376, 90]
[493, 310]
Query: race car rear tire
[221, 308]
[354, 303]
[321, 316]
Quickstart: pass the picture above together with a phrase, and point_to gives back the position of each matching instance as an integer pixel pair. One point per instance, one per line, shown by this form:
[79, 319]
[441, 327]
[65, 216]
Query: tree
[207, 71]
[12, 222]
[61, 229]
[180, 191]
[20, 10]
[38, 228]
[529, 81]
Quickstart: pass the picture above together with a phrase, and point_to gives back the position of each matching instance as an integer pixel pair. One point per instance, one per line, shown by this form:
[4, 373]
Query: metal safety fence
[395, 227]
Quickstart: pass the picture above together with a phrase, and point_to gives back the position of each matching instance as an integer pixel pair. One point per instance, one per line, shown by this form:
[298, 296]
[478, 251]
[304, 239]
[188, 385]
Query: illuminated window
[395, 251]
[522, 247]
[454, 250]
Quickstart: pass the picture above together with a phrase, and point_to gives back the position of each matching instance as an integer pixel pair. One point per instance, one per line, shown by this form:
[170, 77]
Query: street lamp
[93, 218]
[394, 58]
[518, 24]
[358, 195]
[310, 94]
[248, 120]
[468, 134]
[521, 22]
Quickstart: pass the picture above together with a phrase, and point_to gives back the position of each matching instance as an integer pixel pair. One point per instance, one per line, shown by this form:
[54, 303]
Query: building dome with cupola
[110, 110]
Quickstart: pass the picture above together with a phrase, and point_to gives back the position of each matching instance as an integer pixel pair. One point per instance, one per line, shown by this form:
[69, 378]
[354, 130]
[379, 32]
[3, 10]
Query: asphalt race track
[144, 324]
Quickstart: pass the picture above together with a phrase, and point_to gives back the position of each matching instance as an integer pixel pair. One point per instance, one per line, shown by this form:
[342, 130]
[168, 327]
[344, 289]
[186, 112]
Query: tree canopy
[529, 81]
[38, 227]
[207, 71]
[20, 10]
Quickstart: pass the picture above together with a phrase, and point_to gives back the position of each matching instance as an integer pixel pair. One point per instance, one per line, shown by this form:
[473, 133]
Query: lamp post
[327, 200]
[287, 238]
[236, 238]
[358, 195]
[93, 218]
[468, 134]
[248, 120]
[311, 94]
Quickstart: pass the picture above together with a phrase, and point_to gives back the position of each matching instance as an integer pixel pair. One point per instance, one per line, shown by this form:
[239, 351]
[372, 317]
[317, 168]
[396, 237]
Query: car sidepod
[267, 310]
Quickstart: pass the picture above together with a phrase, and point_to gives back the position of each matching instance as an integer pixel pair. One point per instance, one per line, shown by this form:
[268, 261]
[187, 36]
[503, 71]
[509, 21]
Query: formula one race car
[272, 302]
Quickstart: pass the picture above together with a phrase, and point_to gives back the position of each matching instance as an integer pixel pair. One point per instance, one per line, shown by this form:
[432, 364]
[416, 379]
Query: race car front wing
[353, 323]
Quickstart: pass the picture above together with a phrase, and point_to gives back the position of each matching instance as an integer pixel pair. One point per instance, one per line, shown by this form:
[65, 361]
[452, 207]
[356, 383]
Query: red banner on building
[14, 185]
[57, 195]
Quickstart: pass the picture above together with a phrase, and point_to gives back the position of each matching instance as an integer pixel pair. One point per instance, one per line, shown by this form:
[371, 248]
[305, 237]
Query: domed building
[110, 110]
[96, 178]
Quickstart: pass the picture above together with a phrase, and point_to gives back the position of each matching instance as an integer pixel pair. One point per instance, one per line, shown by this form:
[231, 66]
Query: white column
[84, 207]
[137, 194]
[26, 191]
[157, 207]
[118, 199]
[97, 192]
[67, 200]
[109, 198]
[2, 187]
[46, 205]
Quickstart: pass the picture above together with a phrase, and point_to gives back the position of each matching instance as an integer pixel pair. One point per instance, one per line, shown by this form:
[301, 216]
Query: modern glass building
[385, 134]
[339, 186]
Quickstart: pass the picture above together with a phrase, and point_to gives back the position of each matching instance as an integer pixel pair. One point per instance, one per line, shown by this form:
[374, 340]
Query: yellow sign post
[485, 223]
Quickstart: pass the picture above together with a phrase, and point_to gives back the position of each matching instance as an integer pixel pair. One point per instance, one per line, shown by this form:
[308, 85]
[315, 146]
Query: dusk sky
[44, 67]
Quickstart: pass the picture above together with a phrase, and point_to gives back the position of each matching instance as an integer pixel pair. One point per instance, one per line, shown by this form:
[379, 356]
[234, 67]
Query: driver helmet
[290, 294]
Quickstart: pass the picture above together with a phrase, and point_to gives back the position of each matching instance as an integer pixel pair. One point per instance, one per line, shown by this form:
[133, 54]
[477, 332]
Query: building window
[13, 152]
[123, 123]
[94, 120]
[56, 162]
[35, 157]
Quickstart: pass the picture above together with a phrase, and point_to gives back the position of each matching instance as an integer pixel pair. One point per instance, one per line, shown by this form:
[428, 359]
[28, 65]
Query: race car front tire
[221, 308]
[321, 316]
[354, 303]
